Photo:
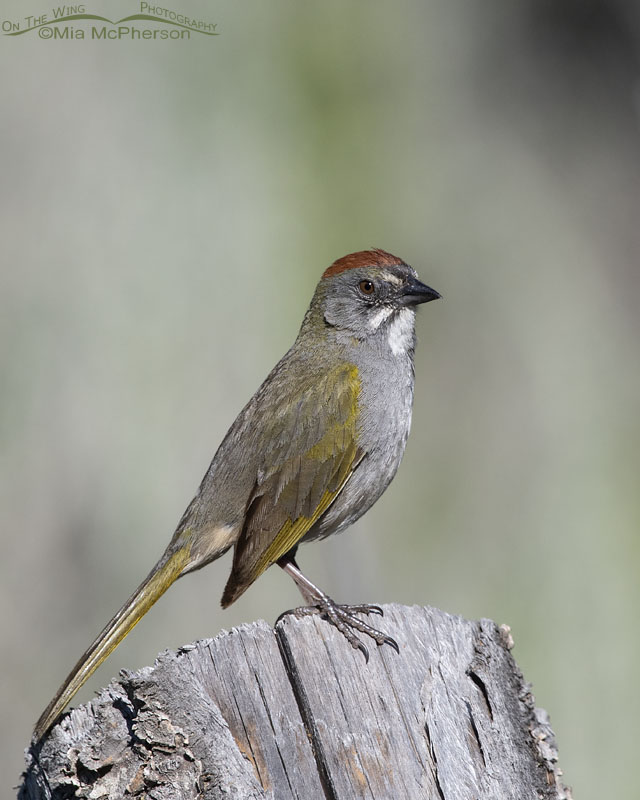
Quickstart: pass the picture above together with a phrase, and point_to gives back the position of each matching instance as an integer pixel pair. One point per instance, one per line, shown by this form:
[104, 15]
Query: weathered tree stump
[296, 713]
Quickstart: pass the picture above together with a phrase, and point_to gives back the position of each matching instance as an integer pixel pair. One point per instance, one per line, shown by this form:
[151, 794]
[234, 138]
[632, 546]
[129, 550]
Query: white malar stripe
[401, 332]
[381, 315]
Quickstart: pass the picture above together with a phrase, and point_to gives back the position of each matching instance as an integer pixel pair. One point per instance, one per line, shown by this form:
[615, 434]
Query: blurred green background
[167, 208]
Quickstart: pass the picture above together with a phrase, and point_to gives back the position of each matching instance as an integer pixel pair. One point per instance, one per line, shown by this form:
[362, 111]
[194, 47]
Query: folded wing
[312, 453]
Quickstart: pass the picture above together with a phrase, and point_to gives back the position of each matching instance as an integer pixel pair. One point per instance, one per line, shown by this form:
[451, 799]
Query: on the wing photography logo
[67, 23]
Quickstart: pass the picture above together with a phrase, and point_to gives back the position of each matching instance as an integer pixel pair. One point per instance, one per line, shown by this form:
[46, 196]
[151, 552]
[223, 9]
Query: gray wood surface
[296, 713]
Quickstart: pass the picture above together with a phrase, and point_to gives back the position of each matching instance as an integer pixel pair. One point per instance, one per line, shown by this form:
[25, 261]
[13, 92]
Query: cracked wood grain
[296, 714]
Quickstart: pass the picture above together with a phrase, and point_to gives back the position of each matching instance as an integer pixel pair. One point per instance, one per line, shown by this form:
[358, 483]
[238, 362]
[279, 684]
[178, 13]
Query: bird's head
[371, 293]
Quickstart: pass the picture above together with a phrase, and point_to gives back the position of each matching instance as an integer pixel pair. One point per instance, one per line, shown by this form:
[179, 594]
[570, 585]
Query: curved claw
[392, 643]
[365, 608]
[363, 649]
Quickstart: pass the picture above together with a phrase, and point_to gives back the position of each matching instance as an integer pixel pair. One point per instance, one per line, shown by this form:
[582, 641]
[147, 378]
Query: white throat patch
[401, 332]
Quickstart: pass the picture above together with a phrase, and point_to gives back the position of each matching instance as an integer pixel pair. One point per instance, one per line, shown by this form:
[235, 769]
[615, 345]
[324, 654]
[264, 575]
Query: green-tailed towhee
[313, 449]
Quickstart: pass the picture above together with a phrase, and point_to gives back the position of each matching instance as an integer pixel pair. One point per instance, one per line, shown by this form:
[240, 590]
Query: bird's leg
[343, 617]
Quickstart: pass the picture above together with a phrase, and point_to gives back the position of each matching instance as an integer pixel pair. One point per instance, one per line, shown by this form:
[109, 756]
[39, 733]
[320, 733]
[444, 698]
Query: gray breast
[384, 422]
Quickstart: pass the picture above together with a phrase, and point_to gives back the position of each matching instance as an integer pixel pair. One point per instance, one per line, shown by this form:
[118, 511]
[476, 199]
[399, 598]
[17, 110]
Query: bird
[309, 454]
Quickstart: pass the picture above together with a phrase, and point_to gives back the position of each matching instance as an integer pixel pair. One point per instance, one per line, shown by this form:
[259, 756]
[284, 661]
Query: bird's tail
[165, 572]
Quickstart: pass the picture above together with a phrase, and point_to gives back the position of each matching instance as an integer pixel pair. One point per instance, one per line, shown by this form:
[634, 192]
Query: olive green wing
[312, 453]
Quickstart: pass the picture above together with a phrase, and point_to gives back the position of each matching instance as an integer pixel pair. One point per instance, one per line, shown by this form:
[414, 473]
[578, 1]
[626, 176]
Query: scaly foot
[343, 617]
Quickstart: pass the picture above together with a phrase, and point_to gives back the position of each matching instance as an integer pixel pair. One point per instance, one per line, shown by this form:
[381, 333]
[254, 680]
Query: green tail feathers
[166, 571]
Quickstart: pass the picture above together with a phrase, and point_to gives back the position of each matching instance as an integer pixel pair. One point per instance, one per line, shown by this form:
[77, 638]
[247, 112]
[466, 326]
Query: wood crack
[297, 686]
[434, 758]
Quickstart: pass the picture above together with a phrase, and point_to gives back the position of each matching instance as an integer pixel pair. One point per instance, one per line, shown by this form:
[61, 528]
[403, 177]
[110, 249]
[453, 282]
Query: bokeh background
[167, 208]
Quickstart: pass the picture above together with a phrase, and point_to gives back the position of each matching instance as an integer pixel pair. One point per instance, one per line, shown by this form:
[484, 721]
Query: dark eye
[366, 287]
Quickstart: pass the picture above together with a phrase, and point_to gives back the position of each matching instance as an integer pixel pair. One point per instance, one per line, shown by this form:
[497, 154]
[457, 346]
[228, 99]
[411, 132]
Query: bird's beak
[416, 292]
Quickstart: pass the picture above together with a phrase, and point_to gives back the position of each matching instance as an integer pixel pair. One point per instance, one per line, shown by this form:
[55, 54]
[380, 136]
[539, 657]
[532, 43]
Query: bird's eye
[366, 287]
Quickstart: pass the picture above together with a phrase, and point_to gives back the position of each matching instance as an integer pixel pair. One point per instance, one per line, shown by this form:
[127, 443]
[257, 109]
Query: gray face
[366, 300]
